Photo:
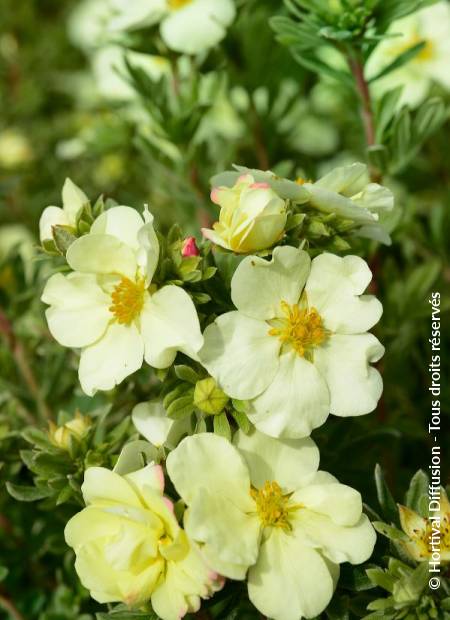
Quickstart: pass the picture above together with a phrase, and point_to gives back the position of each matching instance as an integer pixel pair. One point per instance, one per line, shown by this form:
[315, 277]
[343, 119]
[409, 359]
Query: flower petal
[102, 254]
[290, 462]
[169, 323]
[78, 315]
[290, 580]
[151, 420]
[52, 216]
[333, 288]
[124, 223]
[73, 199]
[211, 462]
[148, 254]
[339, 543]
[295, 403]
[103, 485]
[342, 504]
[346, 180]
[258, 286]
[344, 361]
[107, 362]
[230, 532]
[240, 354]
[197, 26]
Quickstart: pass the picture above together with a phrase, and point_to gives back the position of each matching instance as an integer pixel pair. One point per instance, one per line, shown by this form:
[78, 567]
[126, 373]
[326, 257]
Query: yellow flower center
[272, 506]
[127, 300]
[302, 329]
[177, 4]
[426, 53]
[427, 539]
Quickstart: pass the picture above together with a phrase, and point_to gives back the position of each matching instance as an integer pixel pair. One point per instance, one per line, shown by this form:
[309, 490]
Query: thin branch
[10, 608]
[357, 69]
[20, 357]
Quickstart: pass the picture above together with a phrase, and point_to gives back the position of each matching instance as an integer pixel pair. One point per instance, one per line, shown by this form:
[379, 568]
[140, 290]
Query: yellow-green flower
[252, 216]
[427, 535]
[261, 506]
[77, 428]
[129, 547]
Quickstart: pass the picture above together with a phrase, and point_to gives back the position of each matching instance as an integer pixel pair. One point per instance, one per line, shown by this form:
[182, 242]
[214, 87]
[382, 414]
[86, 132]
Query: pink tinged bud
[189, 248]
[259, 186]
[215, 195]
[160, 477]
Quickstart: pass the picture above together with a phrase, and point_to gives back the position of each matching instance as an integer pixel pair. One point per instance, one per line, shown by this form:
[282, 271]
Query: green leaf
[3, 572]
[222, 426]
[385, 111]
[181, 407]
[134, 456]
[429, 118]
[389, 531]
[385, 499]
[381, 578]
[242, 421]
[418, 488]
[401, 141]
[63, 237]
[37, 437]
[186, 373]
[27, 494]
[401, 60]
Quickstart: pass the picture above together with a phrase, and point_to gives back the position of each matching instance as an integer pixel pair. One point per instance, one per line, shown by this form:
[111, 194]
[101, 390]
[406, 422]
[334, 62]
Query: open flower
[105, 306]
[346, 192]
[187, 26]
[262, 505]
[73, 199]
[431, 26]
[129, 547]
[252, 216]
[152, 422]
[297, 347]
[427, 535]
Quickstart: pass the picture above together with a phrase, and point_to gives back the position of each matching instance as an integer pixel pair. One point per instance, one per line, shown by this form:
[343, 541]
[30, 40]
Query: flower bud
[252, 216]
[189, 248]
[208, 396]
[76, 428]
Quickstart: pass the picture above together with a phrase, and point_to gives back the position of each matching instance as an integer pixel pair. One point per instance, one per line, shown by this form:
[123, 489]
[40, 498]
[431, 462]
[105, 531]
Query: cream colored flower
[15, 149]
[105, 307]
[130, 548]
[297, 346]
[77, 428]
[346, 192]
[151, 420]
[261, 506]
[252, 216]
[73, 199]
[427, 535]
[187, 26]
[430, 25]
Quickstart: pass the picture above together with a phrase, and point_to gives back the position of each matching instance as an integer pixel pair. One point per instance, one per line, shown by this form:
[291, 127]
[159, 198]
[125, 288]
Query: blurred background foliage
[159, 141]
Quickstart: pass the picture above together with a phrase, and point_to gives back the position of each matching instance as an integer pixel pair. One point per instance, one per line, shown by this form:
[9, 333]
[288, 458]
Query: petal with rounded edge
[240, 354]
[211, 462]
[108, 361]
[73, 199]
[290, 462]
[334, 287]
[197, 26]
[121, 222]
[102, 254]
[339, 502]
[52, 216]
[339, 543]
[295, 403]
[290, 580]
[169, 323]
[344, 362]
[258, 286]
[78, 313]
[103, 485]
[152, 422]
[229, 530]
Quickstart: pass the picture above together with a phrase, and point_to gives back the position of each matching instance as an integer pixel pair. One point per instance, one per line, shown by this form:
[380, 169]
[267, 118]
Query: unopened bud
[208, 396]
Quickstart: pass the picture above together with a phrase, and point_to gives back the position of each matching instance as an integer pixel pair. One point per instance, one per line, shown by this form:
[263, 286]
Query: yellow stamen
[127, 300]
[177, 4]
[302, 329]
[272, 506]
